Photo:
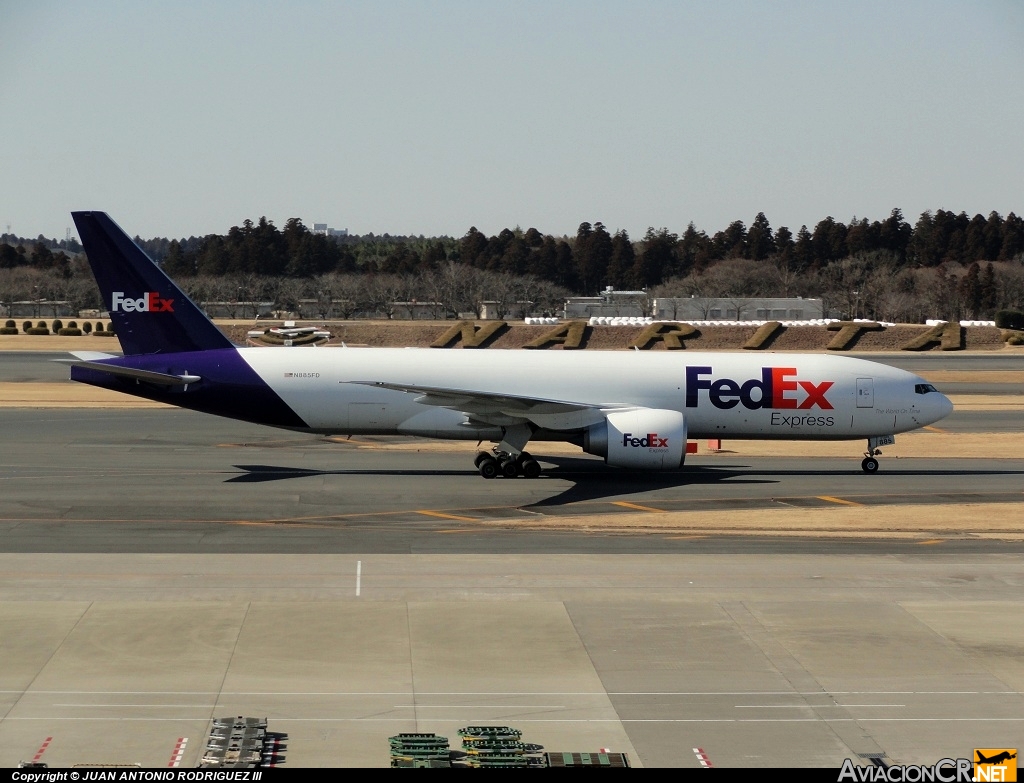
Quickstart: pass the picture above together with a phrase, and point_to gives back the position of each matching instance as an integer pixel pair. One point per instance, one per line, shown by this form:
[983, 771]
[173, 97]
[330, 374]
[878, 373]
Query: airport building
[622, 304]
[708, 308]
[322, 228]
[630, 304]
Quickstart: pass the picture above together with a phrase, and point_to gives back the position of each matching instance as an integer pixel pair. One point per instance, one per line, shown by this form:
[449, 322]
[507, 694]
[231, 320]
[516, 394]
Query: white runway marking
[481, 706]
[147, 706]
[551, 720]
[32, 691]
[806, 706]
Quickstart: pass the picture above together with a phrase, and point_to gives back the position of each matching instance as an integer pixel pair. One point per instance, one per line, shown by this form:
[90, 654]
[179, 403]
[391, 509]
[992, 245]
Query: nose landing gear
[869, 464]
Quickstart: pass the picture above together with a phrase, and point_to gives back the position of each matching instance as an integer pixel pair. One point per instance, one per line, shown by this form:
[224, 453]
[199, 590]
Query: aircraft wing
[504, 409]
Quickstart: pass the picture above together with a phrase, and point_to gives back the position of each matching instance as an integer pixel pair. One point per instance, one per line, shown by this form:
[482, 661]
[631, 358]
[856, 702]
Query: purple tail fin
[149, 312]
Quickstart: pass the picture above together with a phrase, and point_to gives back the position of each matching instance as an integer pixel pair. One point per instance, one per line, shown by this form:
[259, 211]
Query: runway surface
[159, 568]
[109, 481]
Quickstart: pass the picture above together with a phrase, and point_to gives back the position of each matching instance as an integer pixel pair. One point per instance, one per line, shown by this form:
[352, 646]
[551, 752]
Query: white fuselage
[735, 395]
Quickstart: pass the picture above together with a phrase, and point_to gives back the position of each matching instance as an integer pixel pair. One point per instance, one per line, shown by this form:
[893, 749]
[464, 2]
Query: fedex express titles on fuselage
[777, 389]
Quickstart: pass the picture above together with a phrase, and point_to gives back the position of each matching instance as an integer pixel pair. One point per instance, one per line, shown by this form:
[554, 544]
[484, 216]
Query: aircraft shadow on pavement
[590, 479]
[260, 473]
[593, 480]
[566, 470]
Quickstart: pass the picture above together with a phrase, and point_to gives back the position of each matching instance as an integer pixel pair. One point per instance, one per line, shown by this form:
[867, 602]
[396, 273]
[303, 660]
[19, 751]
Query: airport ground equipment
[586, 760]
[486, 747]
[498, 746]
[420, 751]
[241, 743]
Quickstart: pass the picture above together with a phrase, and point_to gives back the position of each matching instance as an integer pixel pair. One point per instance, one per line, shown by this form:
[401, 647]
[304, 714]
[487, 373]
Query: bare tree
[789, 279]
[941, 293]
[502, 288]
[429, 286]
[382, 291]
[455, 286]
[852, 283]
[533, 295]
[19, 284]
[551, 297]
[437, 285]
[736, 278]
[202, 288]
[81, 293]
[1010, 280]
[477, 283]
[290, 293]
[50, 290]
[250, 290]
[894, 304]
[349, 293]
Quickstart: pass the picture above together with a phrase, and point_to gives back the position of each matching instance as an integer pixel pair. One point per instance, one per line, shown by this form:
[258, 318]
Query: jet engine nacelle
[642, 439]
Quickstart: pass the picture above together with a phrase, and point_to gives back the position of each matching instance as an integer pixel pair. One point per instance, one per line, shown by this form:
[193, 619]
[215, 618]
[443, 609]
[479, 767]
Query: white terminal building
[322, 228]
[767, 308]
[629, 304]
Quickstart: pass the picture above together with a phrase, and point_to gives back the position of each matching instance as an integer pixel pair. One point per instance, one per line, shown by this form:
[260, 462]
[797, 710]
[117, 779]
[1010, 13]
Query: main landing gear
[507, 465]
[508, 459]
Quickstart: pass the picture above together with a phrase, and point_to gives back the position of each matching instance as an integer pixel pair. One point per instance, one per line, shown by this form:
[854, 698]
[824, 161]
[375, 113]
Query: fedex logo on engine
[650, 441]
[150, 302]
[776, 388]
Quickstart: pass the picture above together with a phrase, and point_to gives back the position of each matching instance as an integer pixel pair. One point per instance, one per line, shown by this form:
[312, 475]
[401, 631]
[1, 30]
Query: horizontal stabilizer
[159, 378]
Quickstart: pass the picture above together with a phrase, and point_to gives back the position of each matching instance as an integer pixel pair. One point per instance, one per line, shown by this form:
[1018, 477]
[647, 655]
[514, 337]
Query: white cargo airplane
[633, 408]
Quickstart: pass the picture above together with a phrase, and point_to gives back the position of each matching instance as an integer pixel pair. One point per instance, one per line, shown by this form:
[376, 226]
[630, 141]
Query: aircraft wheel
[480, 457]
[510, 468]
[869, 465]
[531, 468]
[524, 456]
[488, 467]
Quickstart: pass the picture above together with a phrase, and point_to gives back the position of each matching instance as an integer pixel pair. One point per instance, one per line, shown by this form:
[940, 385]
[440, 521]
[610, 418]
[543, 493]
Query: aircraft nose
[943, 407]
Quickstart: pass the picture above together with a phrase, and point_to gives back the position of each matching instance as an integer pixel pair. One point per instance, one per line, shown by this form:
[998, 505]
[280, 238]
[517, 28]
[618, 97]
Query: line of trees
[71, 246]
[584, 263]
[947, 265]
[595, 257]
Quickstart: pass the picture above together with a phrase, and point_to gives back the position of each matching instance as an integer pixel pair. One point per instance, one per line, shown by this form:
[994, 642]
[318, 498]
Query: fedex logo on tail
[776, 388]
[150, 302]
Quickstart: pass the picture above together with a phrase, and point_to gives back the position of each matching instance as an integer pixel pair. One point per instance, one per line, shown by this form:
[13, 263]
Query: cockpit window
[924, 388]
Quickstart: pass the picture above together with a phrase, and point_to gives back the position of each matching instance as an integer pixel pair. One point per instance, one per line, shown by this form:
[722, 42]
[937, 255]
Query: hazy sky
[184, 118]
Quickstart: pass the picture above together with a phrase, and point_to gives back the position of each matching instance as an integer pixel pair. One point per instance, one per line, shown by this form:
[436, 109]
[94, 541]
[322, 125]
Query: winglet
[150, 313]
